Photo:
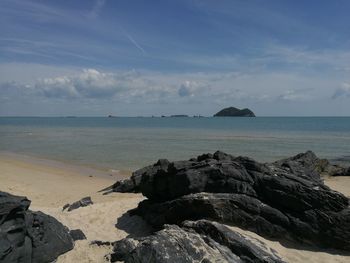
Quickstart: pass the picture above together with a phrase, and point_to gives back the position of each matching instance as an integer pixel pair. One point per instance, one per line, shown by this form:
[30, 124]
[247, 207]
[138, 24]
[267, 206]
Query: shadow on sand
[135, 226]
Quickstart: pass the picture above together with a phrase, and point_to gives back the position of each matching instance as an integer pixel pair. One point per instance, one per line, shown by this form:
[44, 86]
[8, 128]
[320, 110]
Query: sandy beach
[50, 185]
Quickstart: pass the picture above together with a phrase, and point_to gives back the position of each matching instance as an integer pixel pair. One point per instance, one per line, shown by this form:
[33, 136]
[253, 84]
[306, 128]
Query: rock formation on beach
[77, 234]
[27, 236]
[194, 241]
[80, 203]
[285, 200]
[234, 112]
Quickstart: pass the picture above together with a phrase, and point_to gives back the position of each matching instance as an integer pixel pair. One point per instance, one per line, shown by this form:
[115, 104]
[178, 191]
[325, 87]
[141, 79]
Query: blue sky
[130, 58]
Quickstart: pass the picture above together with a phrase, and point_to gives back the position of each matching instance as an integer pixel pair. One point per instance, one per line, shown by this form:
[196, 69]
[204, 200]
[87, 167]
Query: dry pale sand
[51, 184]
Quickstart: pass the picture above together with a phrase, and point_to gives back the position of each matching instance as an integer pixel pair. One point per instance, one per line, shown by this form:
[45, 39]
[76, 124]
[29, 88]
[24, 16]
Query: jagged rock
[77, 234]
[132, 185]
[101, 243]
[125, 186]
[65, 207]
[123, 248]
[341, 171]
[309, 165]
[234, 112]
[200, 241]
[27, 236]
[305, 165]
[237, 243]
[81, 203]
[285, 199]
[312, 226]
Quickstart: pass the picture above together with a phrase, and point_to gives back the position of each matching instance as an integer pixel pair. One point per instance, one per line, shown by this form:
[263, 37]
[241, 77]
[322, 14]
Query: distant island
[234, 112]
[179, 115]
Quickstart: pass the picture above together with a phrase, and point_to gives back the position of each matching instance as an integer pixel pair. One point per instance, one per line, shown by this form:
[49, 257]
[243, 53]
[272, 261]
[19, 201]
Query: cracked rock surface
[286, 199]
[27, 236]
[199, 241]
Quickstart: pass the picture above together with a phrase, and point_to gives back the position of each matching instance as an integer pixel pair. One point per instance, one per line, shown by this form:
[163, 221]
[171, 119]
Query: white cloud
[131, 86]
[90, 83]
[137, 89]
[188, 88]
[296, 95]
[342, 92]
[338, 60]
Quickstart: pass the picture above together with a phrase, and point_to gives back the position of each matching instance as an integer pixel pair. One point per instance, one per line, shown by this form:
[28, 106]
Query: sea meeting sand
[50, 185]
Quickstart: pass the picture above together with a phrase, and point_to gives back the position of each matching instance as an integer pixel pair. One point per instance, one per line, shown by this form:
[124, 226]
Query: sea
[129, 143]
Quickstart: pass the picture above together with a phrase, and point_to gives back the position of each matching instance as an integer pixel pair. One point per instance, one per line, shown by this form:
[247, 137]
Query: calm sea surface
[130, 143]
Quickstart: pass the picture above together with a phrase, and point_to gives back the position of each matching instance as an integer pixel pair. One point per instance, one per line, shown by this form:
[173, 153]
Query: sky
[160, 57]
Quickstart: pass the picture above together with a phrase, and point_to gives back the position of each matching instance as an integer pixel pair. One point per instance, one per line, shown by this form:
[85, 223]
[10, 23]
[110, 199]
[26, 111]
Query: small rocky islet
[190, 204]
[234, 112]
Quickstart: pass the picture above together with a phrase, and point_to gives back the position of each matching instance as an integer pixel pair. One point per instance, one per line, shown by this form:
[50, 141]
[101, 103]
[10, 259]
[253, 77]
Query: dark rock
[312, 226]
[285, 199]
[49, 237]
[341, 171]
[77, 234]
[81, 203]
[179, 116]
[238, 244]
[124, 186]
[65, 207]
[234, 112]
[132, 185]
[101, 243]
[309, 165]
[122, 249]
[200, 241]
[27, 236]
[237, 209]
[305, 165]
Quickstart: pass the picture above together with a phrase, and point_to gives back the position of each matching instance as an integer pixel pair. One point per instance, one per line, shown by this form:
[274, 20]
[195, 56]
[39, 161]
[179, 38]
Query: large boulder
[199, 241]
[284, 199]
[27, 236]
[312, 226]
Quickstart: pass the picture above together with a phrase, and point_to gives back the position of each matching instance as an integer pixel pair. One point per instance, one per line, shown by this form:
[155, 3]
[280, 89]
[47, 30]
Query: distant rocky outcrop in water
[285, 200]
[27, 236]
[179, 116]
[234, 112]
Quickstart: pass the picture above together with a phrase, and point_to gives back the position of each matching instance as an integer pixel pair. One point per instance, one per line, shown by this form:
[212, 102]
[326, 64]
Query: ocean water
[130, 143]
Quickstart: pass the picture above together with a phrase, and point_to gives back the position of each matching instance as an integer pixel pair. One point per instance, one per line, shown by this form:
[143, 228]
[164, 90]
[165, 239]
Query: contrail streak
[133, 41]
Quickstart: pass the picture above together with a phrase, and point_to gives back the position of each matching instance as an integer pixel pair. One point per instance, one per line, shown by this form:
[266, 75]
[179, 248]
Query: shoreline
[67, 176]
[86, 168]
[50, 183]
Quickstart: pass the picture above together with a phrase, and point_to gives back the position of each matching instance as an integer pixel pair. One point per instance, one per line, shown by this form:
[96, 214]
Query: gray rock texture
[199, 241]
[27, 236]
[286, 199]
[81, 203]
